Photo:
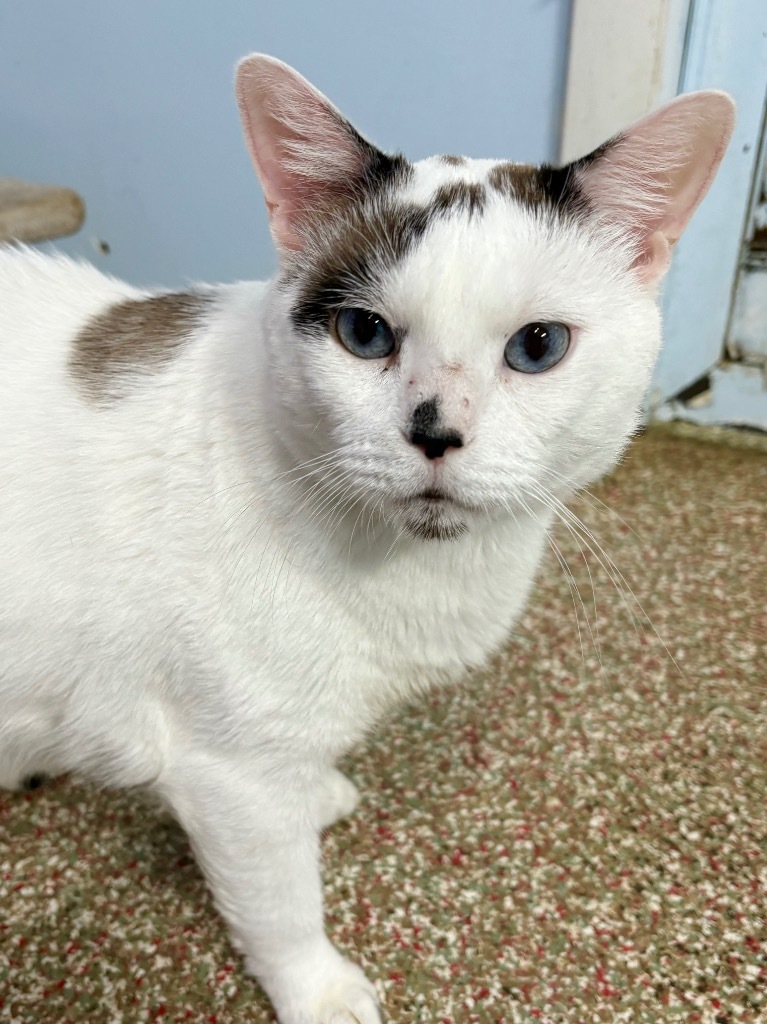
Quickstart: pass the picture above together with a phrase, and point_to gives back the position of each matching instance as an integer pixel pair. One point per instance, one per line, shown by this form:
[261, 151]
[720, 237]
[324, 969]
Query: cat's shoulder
[59, 314]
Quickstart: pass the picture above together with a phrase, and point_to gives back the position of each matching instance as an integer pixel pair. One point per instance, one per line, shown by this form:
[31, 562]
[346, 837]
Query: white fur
[207, 587]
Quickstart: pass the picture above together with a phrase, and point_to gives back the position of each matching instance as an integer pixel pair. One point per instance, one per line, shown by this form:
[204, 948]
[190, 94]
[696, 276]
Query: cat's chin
[432, 520]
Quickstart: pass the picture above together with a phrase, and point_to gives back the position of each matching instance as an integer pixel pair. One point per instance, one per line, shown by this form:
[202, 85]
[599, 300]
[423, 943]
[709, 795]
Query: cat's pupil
[366, 326]
[537, 341]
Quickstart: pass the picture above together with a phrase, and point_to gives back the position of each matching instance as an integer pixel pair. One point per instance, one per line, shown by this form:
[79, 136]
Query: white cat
[238, 524]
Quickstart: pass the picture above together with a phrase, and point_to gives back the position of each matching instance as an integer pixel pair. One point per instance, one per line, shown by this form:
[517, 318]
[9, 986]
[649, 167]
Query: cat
[240, 523]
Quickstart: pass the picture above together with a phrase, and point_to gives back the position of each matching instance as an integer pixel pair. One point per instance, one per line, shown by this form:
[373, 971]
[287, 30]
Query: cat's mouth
[436, 497]
[432, 494]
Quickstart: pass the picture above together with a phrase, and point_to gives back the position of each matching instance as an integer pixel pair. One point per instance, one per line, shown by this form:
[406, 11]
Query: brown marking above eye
[453, 161]
[348, 252]
[130, 340]
[352, 239]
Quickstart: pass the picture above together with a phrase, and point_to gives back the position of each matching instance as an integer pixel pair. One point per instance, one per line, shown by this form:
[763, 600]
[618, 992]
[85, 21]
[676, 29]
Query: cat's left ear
[305, 152]
[651, 177]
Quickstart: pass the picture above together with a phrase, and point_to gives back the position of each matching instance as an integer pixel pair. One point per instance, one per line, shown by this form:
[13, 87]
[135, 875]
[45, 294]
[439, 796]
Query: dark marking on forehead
[354, 234]
[561, 184]
[546, 187]
[352, 241]
[464, 196]
[349, 253]
[519, 182]
[131, 340]
[453, 161]
[384, 170]
[351, 235]
[542, 187]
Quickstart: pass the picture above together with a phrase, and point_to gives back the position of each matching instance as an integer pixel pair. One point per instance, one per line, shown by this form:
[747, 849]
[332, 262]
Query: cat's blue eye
[365, 334]
[537, 347]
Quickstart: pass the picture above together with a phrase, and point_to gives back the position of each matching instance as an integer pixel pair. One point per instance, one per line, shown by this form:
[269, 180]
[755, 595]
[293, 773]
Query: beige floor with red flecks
[577, 835]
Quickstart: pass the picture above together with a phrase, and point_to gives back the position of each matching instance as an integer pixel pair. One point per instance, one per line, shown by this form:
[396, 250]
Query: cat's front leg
[337, 797]
[255, 834]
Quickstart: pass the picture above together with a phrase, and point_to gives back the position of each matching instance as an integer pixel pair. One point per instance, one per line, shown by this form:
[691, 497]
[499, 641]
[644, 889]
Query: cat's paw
[353, 1005]
[345, 998]
[337, 797]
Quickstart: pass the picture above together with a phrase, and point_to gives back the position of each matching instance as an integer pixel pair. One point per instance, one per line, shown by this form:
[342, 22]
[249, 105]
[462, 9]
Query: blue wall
[131, 104]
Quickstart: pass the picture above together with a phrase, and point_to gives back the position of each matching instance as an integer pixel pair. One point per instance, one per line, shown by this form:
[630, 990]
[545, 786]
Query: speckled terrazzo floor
[557, 842]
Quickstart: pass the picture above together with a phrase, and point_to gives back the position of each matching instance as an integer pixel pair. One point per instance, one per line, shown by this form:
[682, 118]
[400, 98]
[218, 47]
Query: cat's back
[44, 302]
[49, 434]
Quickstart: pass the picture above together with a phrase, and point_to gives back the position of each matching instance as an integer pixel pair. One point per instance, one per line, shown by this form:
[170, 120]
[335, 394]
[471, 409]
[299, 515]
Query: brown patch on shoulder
[130, 340]
[453, 161]
[467, 196]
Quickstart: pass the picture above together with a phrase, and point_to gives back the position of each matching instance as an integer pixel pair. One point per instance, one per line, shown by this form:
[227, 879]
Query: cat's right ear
[305, 152]
[649, 179]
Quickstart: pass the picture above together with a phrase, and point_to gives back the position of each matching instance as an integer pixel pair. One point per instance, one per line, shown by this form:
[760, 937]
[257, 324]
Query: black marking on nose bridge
[425, 416]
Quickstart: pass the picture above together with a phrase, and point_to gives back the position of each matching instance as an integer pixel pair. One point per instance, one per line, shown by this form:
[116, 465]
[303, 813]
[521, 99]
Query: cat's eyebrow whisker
[388, 252]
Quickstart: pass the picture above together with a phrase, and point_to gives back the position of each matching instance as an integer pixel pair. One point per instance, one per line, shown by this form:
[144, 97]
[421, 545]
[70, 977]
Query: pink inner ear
[653, 176]
[302, 148]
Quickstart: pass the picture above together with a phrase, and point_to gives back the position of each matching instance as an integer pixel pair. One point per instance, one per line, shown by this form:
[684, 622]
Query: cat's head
[455, 338]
